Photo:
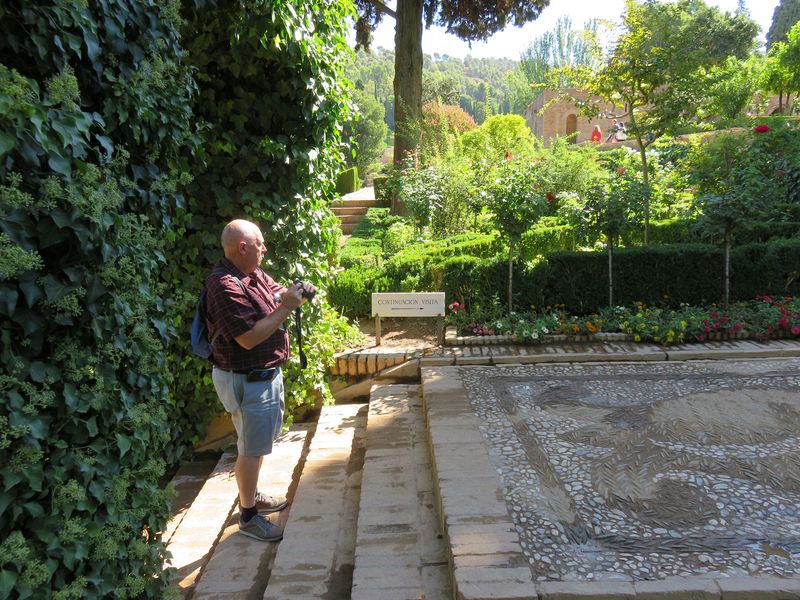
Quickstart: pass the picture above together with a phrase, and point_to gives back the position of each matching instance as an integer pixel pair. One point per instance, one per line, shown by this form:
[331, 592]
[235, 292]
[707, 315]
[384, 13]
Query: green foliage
[785, 16]
[688, 273]
[499, 136]
[351, 291]
[348, 182]
[365, 247]
[366, 134]
[558, 48]
[441, 129]
[94, 116]
[275, 164]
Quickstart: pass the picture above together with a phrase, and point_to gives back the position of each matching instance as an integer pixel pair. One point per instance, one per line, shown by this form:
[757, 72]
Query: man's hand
[263, 329]
[293, 297]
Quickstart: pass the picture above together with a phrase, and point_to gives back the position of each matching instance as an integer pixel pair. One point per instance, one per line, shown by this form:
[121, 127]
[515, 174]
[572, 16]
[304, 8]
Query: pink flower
[701, 338]
[707, 329]
[761, 128]
[796, 330]
[738, 327]
[621, 171]
[780, 173]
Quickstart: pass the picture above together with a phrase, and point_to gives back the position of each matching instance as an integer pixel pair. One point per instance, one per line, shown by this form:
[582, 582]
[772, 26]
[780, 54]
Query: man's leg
[246, 471]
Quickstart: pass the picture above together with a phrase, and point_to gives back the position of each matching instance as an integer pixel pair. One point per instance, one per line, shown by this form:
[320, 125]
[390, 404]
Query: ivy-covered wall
[271, 105]
[130, 132]
[94, 109]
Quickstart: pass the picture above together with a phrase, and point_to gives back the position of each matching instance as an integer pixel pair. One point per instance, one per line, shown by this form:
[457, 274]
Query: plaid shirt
[232, 311]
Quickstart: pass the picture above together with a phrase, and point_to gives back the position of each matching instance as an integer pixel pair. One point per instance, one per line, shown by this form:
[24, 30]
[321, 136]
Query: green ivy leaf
[124, 445]
[7, 581]
[7, 142]
[59, 164]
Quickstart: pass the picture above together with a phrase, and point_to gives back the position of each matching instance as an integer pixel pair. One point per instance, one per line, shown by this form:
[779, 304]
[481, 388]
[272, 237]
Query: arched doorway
[572, 127]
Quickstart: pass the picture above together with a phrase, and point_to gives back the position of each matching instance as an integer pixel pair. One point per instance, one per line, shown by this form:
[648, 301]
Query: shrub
[351, 290]
[365, 246]
[348, 182]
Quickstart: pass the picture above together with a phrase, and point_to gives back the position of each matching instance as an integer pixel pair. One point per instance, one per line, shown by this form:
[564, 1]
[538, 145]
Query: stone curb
[381, 362]
[469, 494]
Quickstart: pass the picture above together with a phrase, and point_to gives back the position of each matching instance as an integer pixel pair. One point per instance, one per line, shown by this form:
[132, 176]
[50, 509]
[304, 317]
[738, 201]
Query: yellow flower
[637, 338]
[683, 324]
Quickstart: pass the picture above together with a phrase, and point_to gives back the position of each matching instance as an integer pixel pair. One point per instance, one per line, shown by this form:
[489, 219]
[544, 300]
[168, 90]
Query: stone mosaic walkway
[633, 472]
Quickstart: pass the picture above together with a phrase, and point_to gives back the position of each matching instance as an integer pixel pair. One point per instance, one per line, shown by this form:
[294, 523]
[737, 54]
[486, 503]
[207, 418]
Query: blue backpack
[201, 345]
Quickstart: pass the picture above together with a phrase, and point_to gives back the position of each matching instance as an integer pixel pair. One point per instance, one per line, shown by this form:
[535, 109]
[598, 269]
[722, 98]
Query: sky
[511, 42]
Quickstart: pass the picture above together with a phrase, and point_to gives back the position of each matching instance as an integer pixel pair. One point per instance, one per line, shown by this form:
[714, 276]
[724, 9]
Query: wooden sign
[408, 304]
[411, 304]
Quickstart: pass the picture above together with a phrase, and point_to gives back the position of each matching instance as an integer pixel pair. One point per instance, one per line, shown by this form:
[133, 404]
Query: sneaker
[261, 528]
[269, 504]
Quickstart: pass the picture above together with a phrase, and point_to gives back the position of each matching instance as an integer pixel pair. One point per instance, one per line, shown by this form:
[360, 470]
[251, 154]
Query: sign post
[408, 304]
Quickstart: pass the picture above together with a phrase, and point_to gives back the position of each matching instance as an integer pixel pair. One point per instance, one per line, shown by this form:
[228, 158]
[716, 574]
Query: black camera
[307, 294]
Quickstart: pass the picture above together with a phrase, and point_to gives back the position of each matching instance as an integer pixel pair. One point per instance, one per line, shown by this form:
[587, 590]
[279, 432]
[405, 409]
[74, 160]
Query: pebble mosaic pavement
[642, 471]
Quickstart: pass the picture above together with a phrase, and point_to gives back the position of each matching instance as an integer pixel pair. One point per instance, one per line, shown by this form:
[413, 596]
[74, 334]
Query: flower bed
[762, 318]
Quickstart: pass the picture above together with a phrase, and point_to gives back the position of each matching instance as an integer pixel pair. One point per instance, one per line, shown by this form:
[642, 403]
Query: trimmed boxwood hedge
[668, 275]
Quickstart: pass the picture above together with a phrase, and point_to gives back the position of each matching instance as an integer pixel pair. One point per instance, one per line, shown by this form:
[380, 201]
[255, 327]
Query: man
[245, 311]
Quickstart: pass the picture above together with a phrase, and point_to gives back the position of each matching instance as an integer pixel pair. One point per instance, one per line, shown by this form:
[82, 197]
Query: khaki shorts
[256, 409]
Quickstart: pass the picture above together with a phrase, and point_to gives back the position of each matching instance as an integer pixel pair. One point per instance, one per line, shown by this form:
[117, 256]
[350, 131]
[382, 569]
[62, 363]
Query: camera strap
[298, 327]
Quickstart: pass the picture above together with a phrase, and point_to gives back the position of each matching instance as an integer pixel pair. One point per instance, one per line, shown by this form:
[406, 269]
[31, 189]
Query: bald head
[243, 244]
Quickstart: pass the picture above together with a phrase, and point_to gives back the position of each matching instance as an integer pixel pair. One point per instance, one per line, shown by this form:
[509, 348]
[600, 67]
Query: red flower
[621, 171]
[780, 173]
[796, 330]
[761, 128]
[509, 156]
[550, 197]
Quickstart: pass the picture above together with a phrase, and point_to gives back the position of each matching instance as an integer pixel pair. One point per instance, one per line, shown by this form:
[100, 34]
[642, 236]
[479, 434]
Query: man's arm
[264, 328]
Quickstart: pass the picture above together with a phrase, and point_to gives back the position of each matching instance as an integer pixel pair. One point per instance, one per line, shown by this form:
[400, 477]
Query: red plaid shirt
[232, 311]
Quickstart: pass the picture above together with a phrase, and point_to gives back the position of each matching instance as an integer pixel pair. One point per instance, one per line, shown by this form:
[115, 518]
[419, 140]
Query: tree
[558, 48]
[735, 175]
[514, 196]
[366, 134]
[783, 69]
[786, 14]
[611, 209]
[470, 20]
[655, 79]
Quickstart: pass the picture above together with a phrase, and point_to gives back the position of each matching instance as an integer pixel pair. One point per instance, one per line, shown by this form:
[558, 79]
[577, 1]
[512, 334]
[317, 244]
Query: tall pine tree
[786, 14]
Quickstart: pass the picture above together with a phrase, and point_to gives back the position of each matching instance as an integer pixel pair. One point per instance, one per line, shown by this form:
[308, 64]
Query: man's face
[254, 250]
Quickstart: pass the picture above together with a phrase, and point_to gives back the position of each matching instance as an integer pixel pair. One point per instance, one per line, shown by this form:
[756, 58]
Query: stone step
[239, 566]
[350, 218]
[348, 228]
[198, 528]
[315, 558]
[349, 210]
[198, 537]
[400, 553]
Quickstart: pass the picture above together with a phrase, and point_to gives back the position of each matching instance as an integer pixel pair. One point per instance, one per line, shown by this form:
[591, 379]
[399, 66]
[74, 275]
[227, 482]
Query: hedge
[348, 182]
[365, 246]
[677, 273]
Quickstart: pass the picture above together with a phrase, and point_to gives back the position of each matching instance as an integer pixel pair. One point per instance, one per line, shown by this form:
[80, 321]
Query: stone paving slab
[309, 560]
[238, 562]
[751, 404]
